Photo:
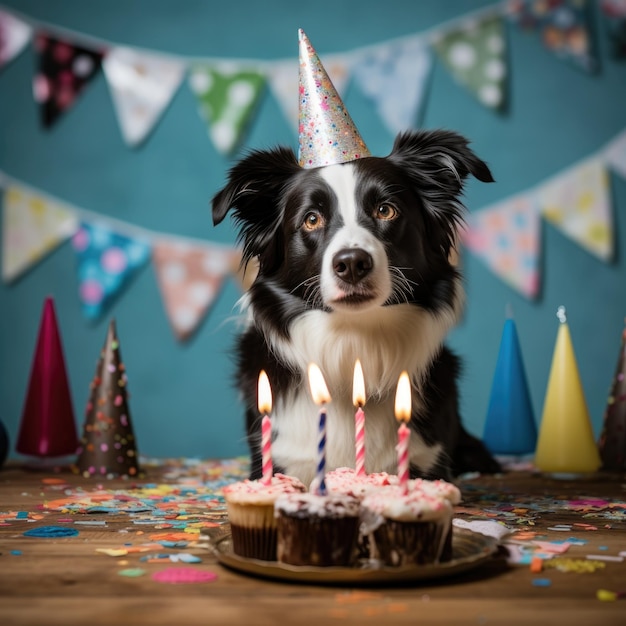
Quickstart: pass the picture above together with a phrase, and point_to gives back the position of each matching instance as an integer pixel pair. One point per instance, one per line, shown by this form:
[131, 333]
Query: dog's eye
[386, 212]
[313, 221]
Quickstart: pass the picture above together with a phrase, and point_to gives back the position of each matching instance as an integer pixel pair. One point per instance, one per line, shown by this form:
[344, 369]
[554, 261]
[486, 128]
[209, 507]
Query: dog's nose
[352, 264]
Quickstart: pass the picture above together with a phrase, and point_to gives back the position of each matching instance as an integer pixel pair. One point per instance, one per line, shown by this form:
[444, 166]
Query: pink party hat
[326, 131]
[48, 428]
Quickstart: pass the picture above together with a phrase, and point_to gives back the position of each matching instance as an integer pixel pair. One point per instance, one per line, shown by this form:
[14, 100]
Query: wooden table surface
[65, 581]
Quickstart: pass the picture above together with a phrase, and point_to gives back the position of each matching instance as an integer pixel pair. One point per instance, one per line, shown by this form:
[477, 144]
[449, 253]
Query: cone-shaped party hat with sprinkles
[107, 447]
[326, 131]
[48, 428]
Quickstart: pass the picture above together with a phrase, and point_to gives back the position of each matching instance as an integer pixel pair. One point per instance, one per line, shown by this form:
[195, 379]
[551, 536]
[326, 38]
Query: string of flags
[392, 74]
[110, 253]
[507, 235]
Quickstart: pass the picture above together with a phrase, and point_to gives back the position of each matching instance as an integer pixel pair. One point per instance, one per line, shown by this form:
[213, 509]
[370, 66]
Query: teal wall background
[182, 398]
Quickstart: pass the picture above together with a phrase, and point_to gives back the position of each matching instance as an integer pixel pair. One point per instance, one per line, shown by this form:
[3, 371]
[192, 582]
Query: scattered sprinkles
[51, 531]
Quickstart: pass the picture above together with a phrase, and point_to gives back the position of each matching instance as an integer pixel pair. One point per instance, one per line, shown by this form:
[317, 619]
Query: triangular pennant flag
[142, 86]
[64, 71]
[32, 227]
[577, 202]
[475, 54]
[190, 278]
[283, 81]
[394, 77]
[506, 236]
[615, 17]
[107, 261]
[14, 35]
[615, 154]
[565, 28]
[227, 97]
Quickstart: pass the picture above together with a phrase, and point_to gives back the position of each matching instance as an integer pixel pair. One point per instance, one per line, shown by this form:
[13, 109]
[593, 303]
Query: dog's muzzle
[352, 265]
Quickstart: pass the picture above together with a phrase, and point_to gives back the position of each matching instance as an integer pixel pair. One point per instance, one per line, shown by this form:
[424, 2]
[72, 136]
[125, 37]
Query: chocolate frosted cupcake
[250, 505]
[406, 528]
[318, 530]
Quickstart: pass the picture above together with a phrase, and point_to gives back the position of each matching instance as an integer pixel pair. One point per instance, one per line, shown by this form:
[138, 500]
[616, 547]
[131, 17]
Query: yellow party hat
[565, 444]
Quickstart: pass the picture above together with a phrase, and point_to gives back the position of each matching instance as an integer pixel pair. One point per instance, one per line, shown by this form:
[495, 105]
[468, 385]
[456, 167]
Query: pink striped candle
[403, 415]
[358, 399]
[265, 407]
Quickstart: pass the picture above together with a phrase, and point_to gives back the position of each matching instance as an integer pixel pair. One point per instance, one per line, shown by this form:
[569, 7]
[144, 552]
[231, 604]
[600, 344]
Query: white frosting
[345, 480]
[258, 492]
[437, 488]
[413, 506]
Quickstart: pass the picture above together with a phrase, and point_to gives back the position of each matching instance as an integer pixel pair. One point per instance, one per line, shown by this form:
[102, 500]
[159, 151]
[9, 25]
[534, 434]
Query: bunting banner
[14, 36]
[190, 278]
[506, 237]
[395, 79]
[64, 71]
[615, 17]
[32, 227]
[565, 28]
[577, 202]
[615, 154]
[227, 96]
[476, 56]
[107, 261]
[142, 86]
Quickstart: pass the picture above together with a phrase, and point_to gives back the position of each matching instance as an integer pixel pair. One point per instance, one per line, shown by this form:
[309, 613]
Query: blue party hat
[510, 424]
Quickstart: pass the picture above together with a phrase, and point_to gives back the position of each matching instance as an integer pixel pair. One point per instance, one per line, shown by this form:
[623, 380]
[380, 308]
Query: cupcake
[318, 530]
[409, 528]
[250, 505]
[346, 480]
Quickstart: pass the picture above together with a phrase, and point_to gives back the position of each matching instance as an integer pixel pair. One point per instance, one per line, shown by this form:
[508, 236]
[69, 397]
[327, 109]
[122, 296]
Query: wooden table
[64, 581]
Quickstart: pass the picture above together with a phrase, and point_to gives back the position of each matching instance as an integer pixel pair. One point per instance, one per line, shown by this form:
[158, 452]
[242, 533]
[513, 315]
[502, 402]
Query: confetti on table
[51, 531]
[132, 572]
[541, 582]
[183, 575]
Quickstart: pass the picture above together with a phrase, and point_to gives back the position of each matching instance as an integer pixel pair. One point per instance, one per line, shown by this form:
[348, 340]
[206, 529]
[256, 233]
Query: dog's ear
[253, 190]
[438, 162]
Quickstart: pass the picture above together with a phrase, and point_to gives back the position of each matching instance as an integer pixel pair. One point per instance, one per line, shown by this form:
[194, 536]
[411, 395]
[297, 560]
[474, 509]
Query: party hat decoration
[326, 131]
[107, 447]
[48, 428]
[612, 442]
[510, 425]
[566, 444]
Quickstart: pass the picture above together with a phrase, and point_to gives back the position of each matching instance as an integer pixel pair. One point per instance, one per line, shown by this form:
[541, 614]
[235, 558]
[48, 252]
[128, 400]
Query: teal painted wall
[182, 398]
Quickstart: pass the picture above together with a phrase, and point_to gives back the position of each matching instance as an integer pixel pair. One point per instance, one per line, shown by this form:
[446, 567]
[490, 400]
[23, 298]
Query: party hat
[612, 442]
[107, 447]
[565, 444]
[326, 131]
[510, 424]
[48, 428]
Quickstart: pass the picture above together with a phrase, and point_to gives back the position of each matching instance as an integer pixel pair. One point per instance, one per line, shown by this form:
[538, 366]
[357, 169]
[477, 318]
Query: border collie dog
[354, 262]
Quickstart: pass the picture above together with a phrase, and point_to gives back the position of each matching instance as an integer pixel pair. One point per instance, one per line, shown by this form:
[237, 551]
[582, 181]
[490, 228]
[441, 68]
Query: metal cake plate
[469, 551]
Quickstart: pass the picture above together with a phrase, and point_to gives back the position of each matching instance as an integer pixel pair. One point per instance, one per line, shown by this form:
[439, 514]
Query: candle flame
[403, 398]
[264, 394]
[319, 391]
[358, 386]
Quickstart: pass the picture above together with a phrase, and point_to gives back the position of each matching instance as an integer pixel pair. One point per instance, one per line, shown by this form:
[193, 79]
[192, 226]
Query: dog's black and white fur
[354, 262]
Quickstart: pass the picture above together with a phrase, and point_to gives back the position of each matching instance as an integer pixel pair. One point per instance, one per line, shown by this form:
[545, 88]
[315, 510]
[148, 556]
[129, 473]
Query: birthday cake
[250, 505]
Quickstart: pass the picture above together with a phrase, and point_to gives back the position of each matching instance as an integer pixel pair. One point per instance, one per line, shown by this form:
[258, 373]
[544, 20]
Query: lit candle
[265, 408]
[321, 397]
[403, 415]
[358, 399]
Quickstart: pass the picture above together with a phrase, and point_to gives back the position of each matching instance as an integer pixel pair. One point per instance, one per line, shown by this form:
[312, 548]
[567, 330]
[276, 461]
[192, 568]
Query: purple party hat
[326, 132]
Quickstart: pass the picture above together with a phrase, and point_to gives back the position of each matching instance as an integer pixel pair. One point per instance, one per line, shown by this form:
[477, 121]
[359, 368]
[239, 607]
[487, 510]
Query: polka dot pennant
[227, 97]
[107, 261]
[190, 278]
[475, 54]
[32, 227]
[506, 237]
[64, 71]
[578, 203]
[142, 86]
[564, 26]
[395, 78]
[14, 35]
